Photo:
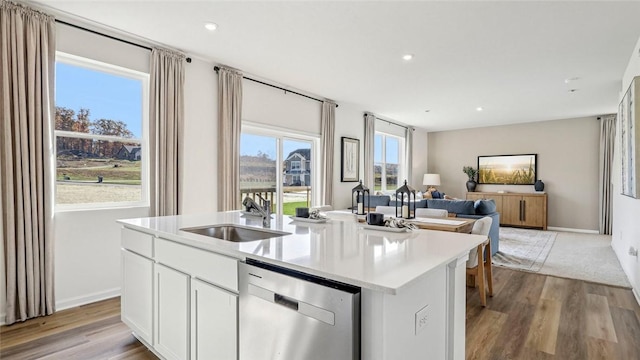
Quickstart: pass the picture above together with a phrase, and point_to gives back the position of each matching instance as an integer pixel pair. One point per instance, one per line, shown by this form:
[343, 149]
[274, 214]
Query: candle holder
[360, 199]
[406, 209]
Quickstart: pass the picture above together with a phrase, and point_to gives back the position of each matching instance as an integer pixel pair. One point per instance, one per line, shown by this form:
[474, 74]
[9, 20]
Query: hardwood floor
[530, 316]
[91, 331]
[533, 316]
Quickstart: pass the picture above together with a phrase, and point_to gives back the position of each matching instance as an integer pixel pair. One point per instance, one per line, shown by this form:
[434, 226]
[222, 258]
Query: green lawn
[290, 207]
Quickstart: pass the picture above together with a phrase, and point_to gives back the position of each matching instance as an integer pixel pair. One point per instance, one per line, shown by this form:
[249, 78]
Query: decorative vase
[471, 185]
[538, 185]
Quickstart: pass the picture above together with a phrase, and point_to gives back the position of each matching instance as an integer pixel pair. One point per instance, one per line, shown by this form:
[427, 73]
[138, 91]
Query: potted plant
[471, 173]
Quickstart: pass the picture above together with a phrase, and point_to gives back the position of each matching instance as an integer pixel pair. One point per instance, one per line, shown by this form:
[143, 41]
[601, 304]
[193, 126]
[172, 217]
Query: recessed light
[566, 81]
[427, 110]
[479, 108]
[573, 90]
[211, 26]
[407, 57]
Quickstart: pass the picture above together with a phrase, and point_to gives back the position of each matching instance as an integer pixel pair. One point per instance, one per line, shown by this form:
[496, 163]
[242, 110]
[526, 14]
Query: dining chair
[342, 215]
[323, 207]
[426, 212]
[387, 210]
[479, 263]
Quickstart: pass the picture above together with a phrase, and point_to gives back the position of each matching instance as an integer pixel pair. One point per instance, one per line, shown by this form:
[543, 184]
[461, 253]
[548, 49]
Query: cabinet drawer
[138, 242]
[214, 268]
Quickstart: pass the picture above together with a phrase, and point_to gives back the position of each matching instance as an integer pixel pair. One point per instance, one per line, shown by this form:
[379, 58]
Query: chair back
[480, 227]
[323, 207]
[342, 215]
[387, 210]
[426, 212]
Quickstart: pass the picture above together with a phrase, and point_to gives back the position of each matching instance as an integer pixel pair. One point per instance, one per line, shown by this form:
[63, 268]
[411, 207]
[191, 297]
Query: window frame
[402, 163]
[282, 134]
[143, 140]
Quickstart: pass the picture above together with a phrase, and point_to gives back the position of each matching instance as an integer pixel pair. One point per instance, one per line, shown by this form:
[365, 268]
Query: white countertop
[339, 250]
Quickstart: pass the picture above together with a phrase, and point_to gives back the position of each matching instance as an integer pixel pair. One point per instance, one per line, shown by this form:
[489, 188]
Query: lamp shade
[431, 179]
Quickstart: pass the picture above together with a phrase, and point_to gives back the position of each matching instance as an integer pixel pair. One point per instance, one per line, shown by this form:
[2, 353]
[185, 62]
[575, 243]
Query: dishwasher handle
[300, 307]
[285, 301]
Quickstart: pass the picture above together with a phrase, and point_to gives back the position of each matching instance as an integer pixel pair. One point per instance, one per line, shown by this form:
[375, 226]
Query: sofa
[461, 208]
[473, 210]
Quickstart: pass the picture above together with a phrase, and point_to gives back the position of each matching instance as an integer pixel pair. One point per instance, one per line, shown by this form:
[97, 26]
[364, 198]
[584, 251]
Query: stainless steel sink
[234, 233]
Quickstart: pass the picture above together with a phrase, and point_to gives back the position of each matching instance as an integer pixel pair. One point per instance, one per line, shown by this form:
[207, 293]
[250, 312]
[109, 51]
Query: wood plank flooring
[530, 316]
[92, 331]
[533, 316]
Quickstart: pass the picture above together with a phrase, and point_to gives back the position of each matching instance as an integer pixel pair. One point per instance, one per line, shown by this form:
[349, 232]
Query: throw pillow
[485, 207]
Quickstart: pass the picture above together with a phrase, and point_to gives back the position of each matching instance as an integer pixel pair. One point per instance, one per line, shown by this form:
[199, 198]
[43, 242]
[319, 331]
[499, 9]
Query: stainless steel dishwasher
[286, 314]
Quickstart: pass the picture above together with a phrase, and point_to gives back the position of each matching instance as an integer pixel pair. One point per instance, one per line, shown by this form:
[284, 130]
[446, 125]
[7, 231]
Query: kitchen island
[412, 300]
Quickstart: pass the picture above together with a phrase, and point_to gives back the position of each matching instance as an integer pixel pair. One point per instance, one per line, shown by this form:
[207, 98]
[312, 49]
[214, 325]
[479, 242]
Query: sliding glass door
[279, 167]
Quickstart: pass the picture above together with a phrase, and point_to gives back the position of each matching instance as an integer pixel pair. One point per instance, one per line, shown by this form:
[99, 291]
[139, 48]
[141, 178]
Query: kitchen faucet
[265, 211]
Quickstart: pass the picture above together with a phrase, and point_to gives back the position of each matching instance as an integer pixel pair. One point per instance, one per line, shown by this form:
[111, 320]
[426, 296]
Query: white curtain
[328, 120]
[229, 127]
[607, 145]
[27, 52]
[369, 139]
[166, 131]
[408, 153]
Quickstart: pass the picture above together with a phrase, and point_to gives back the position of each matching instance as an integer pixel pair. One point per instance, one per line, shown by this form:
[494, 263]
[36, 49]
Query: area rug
[588, 257]
[524, 249]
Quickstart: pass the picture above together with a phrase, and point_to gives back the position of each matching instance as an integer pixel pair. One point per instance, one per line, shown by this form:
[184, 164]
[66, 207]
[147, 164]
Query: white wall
[349, 123]
[198, 175]
[273, 107]
[87, 254]
[567, 163]
[626, 211]
[87, 243]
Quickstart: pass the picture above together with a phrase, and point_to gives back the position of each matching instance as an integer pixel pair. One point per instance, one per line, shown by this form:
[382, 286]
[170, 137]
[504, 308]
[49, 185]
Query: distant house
[129, 152]
[297, 168]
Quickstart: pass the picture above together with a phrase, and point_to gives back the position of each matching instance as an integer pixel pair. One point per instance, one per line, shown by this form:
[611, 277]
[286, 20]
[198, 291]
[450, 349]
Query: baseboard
[86, 299]
[583, 231]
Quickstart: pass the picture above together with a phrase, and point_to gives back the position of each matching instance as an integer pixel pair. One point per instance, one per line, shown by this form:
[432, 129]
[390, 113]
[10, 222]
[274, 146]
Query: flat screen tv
[507, 169]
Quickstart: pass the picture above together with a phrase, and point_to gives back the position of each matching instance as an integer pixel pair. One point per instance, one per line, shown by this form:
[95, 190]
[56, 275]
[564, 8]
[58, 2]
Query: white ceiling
[511, 58]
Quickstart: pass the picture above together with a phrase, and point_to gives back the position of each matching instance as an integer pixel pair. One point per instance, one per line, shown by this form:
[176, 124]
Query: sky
[391, 150]
[250, 144]
[107, 96]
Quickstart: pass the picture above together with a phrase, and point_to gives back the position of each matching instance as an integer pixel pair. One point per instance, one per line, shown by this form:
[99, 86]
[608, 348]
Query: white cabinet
[172, 313]
[180, 300]
[137, 294]
[214, 322]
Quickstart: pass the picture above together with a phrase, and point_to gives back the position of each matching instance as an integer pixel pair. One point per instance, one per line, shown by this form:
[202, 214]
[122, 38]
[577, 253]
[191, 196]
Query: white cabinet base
[214, 325]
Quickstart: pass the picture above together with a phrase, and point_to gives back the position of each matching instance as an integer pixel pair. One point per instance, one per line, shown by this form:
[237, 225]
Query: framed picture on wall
[350, 160]
[629, 137]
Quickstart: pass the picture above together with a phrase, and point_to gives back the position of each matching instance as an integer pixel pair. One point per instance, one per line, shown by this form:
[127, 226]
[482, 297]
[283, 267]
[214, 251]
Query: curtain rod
[108, 36]
[217, 69]
[392, 123]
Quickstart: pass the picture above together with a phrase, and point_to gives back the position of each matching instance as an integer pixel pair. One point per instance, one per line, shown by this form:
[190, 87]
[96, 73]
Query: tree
[68, 120]
[113, 128]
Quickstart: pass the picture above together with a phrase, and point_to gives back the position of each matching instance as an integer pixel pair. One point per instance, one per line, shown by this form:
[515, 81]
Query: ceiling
[510, 58]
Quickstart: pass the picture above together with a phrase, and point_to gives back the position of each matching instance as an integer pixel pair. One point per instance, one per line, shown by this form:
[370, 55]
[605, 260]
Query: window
[388, 161]
[271, 165]
[100, 130]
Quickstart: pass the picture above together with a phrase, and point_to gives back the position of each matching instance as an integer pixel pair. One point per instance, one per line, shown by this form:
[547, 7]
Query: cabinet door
[534, 211]
[511, 210]
[172, 313]
[214, 325]
[475, 196]
[137, 294]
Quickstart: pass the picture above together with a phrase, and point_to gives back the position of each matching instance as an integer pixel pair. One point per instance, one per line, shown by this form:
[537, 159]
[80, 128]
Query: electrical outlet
[422, 319]
[633, 251]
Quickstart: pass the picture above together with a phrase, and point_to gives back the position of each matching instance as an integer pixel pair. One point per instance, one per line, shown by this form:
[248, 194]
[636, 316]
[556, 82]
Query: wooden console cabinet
[517, 209]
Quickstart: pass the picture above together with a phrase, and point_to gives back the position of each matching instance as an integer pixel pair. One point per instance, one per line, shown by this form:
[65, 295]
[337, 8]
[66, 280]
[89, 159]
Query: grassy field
[289, 208]
[88, 170]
